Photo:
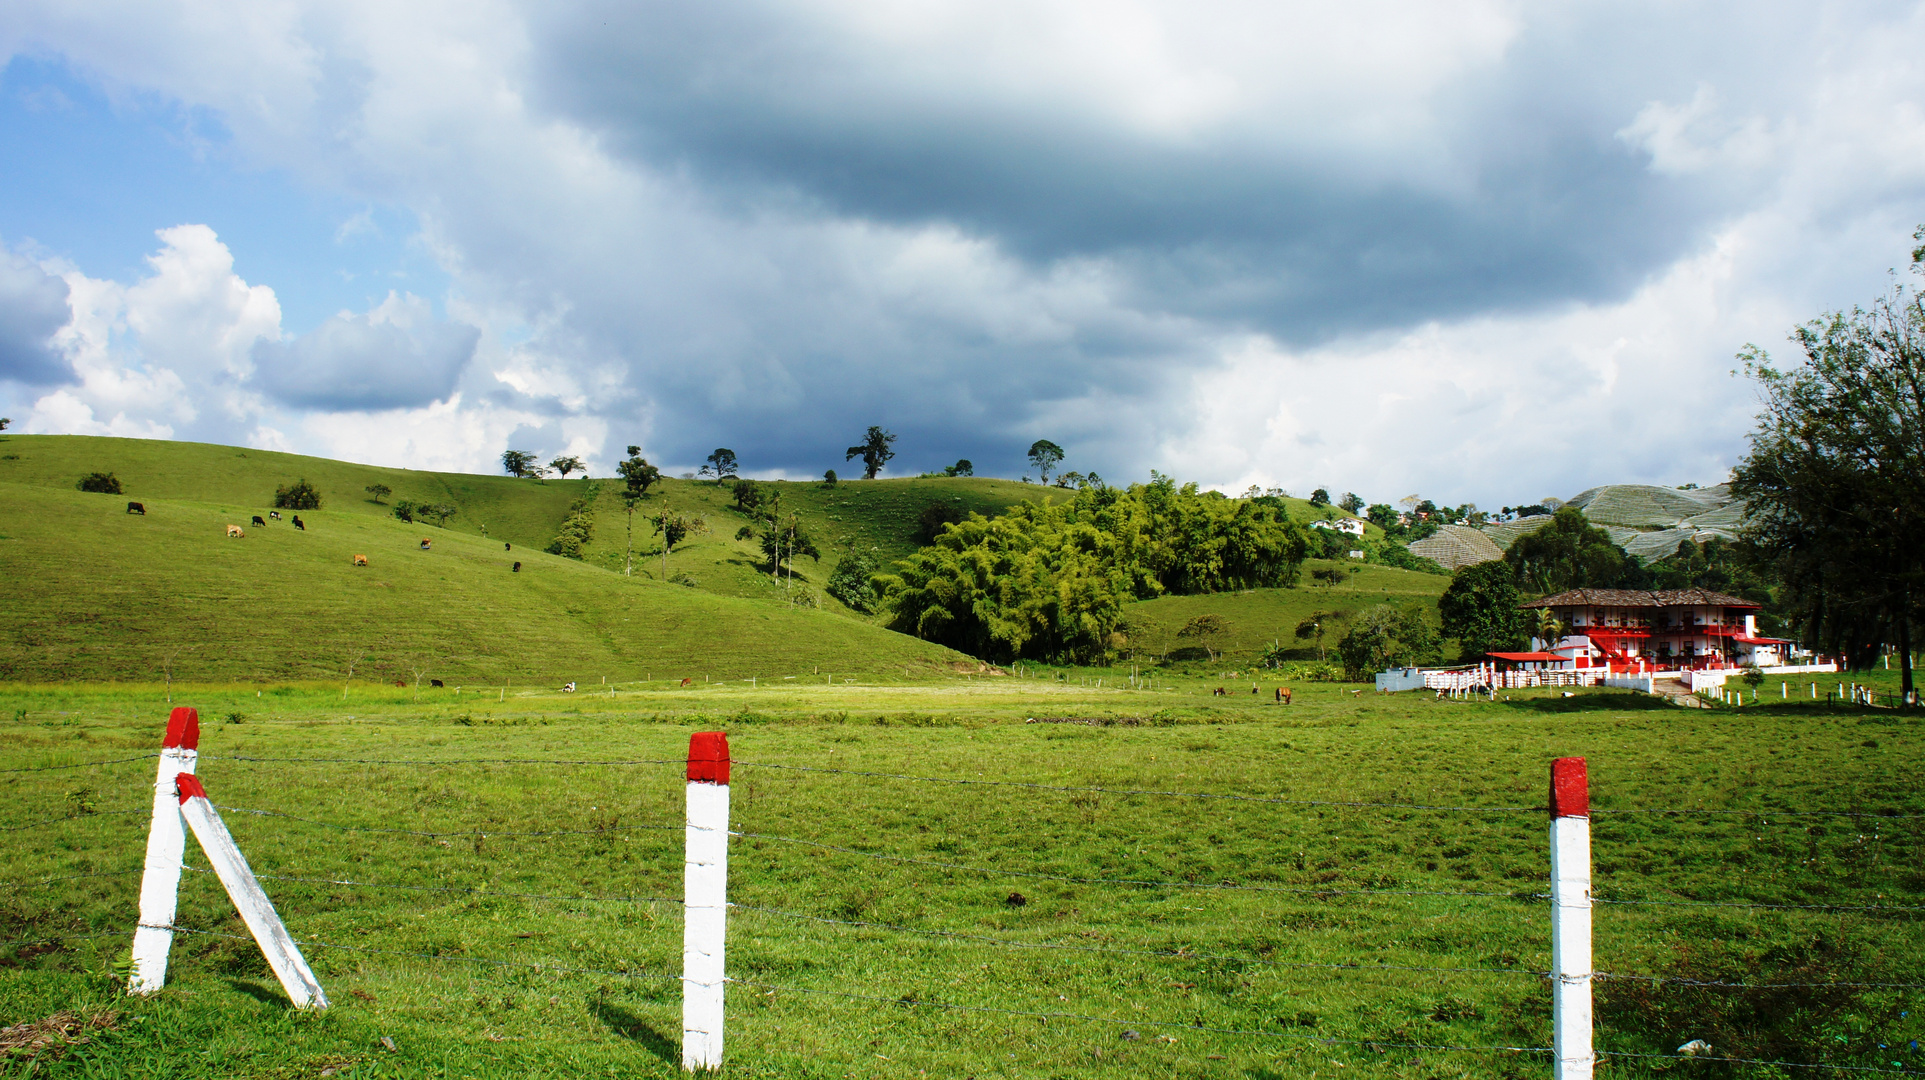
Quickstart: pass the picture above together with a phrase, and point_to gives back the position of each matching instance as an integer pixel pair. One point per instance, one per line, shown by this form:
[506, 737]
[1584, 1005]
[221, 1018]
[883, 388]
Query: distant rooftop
[1641, 598]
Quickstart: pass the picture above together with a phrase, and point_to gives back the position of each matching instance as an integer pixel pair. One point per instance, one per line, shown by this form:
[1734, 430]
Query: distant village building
[1680, 628]
[1353, 526]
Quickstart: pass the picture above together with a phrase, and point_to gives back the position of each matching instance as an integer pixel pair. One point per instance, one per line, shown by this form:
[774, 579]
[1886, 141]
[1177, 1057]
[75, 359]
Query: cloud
[33, 307]
[1466, 246]
[394, 356]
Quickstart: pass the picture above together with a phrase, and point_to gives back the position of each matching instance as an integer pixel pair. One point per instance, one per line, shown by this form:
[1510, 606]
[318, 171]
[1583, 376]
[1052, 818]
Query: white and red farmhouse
[1680, 628]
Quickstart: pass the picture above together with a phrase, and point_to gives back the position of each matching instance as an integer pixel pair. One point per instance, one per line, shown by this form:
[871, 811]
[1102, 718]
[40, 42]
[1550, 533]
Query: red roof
[1761, 640]
[1526, 657]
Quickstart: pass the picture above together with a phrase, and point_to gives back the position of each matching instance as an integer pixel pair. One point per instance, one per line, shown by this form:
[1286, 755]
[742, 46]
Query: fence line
[1110, 949]
[1760, 907]
[69, 817]
[68, 877]
[538, 966]
[474, 832]
[479, 890]
[908, 1001]
[1039, 875]
[1760, 1061]
[80, 764]
[431, 761]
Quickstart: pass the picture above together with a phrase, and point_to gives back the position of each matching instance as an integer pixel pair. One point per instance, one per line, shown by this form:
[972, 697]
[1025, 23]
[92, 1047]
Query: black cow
[507, 547]
[435, 682]
[517, 568]
[136, 508]
[275, 514]
[299, 524]
[259, 522]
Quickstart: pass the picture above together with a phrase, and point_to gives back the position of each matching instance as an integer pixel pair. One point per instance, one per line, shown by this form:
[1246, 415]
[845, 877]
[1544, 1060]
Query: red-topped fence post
[1571, 919]
[705, 876]
[166, 844]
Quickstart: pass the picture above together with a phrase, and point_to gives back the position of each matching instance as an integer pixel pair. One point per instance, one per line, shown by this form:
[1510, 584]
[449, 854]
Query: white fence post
[705, 877]
[1571, 919]
[166, 842]
[257, 911]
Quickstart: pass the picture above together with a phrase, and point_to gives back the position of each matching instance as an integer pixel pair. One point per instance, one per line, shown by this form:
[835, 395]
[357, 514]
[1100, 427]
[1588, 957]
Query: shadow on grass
[1629, 701]
[261, 992]
[635, 1029]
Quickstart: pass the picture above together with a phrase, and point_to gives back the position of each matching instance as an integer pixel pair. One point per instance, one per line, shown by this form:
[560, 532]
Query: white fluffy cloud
[1487, 252]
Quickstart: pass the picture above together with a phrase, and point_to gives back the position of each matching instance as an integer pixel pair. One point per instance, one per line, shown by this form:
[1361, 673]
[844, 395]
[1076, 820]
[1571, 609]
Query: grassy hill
[94, 593]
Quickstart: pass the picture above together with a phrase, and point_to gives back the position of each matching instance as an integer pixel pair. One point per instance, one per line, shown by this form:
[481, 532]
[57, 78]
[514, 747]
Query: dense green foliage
[1051, 581]
[300, 495]
[1835, 477]
[1388, 636]
[1571, 553]
[100, 483]
[579, 527]
[850, 581]
[1481, 609]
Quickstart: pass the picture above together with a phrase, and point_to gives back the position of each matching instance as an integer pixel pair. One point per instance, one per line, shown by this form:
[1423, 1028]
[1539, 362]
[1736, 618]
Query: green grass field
[1315, 936]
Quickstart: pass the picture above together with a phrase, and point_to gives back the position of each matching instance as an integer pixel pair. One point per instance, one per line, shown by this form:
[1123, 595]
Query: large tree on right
[1835, 478]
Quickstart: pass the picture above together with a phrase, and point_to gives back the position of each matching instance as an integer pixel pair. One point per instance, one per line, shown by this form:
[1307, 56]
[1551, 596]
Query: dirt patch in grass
[47, 1039]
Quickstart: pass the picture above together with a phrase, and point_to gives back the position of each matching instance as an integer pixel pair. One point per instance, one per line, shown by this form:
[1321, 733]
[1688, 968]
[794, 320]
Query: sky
[1480, 252]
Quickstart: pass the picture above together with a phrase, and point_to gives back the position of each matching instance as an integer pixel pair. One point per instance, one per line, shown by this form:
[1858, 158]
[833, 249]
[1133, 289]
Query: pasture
[490, 904]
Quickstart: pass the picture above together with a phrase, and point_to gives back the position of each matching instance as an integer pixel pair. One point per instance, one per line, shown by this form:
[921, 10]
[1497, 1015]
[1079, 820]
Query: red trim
[189, 787]
[183, 730]
[708, 757]
[1570, 788]
[1528, 657]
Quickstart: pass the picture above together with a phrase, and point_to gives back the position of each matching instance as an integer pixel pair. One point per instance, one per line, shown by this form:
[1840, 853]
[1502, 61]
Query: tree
[102, 483]
[1386, 636]
[440, 512]
[849, 581]
[874, 450]
[673, 528]
[566, 465]
[4, 421]
[379, 492]
[1331, 576]
[930, 523]
[1205, 630]
[1480, 608]
[516, 462]
[1546, 628]
[1352, 502]
[637, 474]
[962, 467]
[1571, 553]
[1384, 516]
[406, 510]
[1834, 481]
[300, 495]
[748, 496]
[829, 478]
[721, 464]
[1320, 497]
[1316, 625]
[1045, 455]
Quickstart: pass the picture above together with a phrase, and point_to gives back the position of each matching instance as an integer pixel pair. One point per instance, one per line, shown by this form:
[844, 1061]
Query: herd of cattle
[235, 532]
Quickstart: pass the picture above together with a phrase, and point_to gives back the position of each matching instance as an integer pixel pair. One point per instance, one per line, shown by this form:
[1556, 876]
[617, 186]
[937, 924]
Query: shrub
[829, 478]
[849, 582]
[103, 483]
[930, 522]
[299, 495]
[406, 510]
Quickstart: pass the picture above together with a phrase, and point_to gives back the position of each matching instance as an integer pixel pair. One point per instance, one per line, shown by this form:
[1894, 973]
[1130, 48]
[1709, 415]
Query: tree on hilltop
[874, 450]
[721, 464]
[517, 463]
[1045, 455]
[637, 474]
[1352, 502]
[566, 465]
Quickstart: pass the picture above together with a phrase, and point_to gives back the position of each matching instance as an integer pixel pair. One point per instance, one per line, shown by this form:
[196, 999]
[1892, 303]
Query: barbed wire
[438, 761]
[79, 764]
[1761, 1061]
[59, 939]
[473, 832]
[1136, 791]
[910, 1001]
[1155, 883]
[70, 817]
[538, 966]
[1173, 954]
[1760, 907]
[67, 877]
[1893, 815]
[478, 890]
[1675, 980]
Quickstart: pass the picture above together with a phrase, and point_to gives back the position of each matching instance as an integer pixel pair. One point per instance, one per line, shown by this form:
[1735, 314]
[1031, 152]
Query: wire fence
[1179, 954]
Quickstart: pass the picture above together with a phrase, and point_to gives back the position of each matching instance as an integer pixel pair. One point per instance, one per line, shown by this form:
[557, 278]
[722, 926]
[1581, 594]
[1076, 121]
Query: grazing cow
[136, 508]
[360, 560]
[436, 682]
[275, 514]
[299, 524]
[426, 544]
[260, 522]
[517, 568]
[568, 688]
[507, 547]
[1253, 688]
[1219, 692]
[688, 682]
[1283, 695]
[401, 683]
[234, 531]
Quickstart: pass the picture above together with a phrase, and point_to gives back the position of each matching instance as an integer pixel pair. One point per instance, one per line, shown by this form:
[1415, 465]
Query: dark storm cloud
[360, 362]
[33, 305]
[1252, 225]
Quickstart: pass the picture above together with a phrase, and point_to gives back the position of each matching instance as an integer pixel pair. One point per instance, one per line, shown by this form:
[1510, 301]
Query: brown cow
[136, 508]
[234, 531]
[360, 560]
[1283, 695]
[688, 682]
[1219, 692]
